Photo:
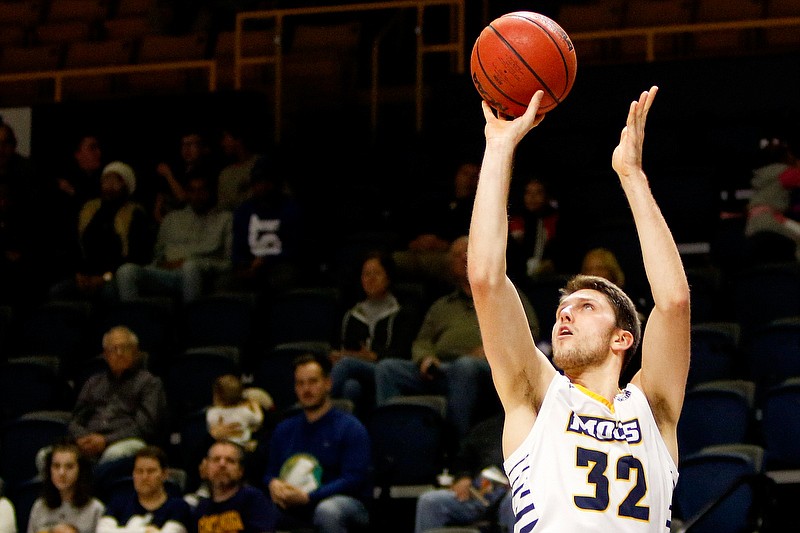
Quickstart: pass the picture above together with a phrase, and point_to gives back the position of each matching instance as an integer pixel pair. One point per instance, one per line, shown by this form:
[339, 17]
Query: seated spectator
[233, 505]
[532, 229]
[66, 504]
[232, 416]
[8, 519]
[480, 488]
[112, 230]
[233, 184]
[121, 409]
[602, 262]
[447, 354]
[319, 460]
[434, 225]
[376, 328]
[775, 180]
[80, 180]
[149, 509]
[266, 235]
[192, 248]
[195, 161]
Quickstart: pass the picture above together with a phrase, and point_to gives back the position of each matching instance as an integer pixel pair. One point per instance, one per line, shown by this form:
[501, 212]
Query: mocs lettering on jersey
[603, 429]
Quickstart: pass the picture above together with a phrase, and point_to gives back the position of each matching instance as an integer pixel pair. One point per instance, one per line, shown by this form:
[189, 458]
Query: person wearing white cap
[112, 230]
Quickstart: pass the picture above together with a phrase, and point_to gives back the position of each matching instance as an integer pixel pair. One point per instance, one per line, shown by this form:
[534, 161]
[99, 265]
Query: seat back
[773, 352]
[408, 443]
[780, 425]
[765, 293]
[190, 376]
[218, 320]
[707, 475]
[28, 385]
[718, 412]
[310, 314]
[22, 439]
[715, 352]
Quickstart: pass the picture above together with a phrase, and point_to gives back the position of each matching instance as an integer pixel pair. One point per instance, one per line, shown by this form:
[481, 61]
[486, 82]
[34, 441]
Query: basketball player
[581, 454]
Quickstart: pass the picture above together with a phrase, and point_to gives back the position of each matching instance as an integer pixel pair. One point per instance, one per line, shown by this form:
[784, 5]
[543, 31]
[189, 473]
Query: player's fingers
[487, 111]
[533, 106]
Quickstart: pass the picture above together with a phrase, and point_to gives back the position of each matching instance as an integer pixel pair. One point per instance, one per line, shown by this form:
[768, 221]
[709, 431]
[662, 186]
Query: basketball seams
[512, 58]
[522, 60]
[550, 36]
[493, 84]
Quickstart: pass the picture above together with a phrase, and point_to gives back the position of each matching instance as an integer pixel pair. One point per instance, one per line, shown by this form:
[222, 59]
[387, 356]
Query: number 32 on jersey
[628, 469]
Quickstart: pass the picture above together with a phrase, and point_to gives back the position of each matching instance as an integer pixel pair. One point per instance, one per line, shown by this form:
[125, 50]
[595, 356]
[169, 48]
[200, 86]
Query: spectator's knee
[327, 512]
[127, 271]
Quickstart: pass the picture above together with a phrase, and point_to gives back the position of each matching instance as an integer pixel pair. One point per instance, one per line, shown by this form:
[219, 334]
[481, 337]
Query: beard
[579, 356]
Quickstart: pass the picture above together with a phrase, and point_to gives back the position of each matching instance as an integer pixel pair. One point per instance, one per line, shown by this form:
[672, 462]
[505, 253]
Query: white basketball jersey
[591, 466]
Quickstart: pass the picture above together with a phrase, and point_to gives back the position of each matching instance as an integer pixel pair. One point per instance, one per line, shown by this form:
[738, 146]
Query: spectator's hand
[336, 355]
[429, 367]
[250, 271]
[366, 354]
[88, 283]
[461, 488]
[65, 186]
[172, 265]
[163, 170]
[295, 497]
[223, 431]
[278, 491]
[92, 444]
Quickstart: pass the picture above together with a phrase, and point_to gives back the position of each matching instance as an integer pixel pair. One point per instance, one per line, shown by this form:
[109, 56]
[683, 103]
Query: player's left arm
[665, 344]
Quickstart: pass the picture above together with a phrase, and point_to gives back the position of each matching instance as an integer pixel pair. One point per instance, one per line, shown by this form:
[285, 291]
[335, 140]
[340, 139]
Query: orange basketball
[518, 54]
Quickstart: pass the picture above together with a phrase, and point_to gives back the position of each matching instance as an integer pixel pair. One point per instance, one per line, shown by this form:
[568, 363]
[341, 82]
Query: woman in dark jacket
[376, 328]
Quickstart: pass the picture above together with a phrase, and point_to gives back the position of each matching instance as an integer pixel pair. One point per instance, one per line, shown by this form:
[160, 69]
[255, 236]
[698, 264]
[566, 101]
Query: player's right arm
[521, 373]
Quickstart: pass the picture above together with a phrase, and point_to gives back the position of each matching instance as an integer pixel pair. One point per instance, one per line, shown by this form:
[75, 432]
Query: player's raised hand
[500, 128]
[627, 157]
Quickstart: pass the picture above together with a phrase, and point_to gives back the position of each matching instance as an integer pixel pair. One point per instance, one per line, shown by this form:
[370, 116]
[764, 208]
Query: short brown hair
[624, 310]
[228, 389]
[153, 452]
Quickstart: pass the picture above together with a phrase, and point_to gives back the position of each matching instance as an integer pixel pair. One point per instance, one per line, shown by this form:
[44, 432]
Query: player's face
[148, 476]
[224, 465]
[64, 470]
[374, 279]
[311, 386]
[585, 324]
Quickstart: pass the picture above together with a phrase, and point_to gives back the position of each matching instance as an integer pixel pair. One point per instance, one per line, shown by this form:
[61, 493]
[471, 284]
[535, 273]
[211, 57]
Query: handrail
[650, 32]
[58, 76]
[455, 46]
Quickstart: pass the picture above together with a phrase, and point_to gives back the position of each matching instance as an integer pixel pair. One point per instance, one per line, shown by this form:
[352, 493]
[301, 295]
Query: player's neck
[598, 381]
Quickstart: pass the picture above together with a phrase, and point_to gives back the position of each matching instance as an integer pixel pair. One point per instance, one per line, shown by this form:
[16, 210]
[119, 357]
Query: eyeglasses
[114, 348]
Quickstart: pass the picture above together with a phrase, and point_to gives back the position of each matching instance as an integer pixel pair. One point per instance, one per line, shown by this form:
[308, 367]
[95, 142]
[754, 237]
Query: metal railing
[651, 32]
[455, 47]
[58, 76]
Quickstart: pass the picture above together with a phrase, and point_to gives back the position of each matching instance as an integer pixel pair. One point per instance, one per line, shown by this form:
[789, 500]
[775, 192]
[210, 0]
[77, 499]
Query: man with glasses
[122, 408]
